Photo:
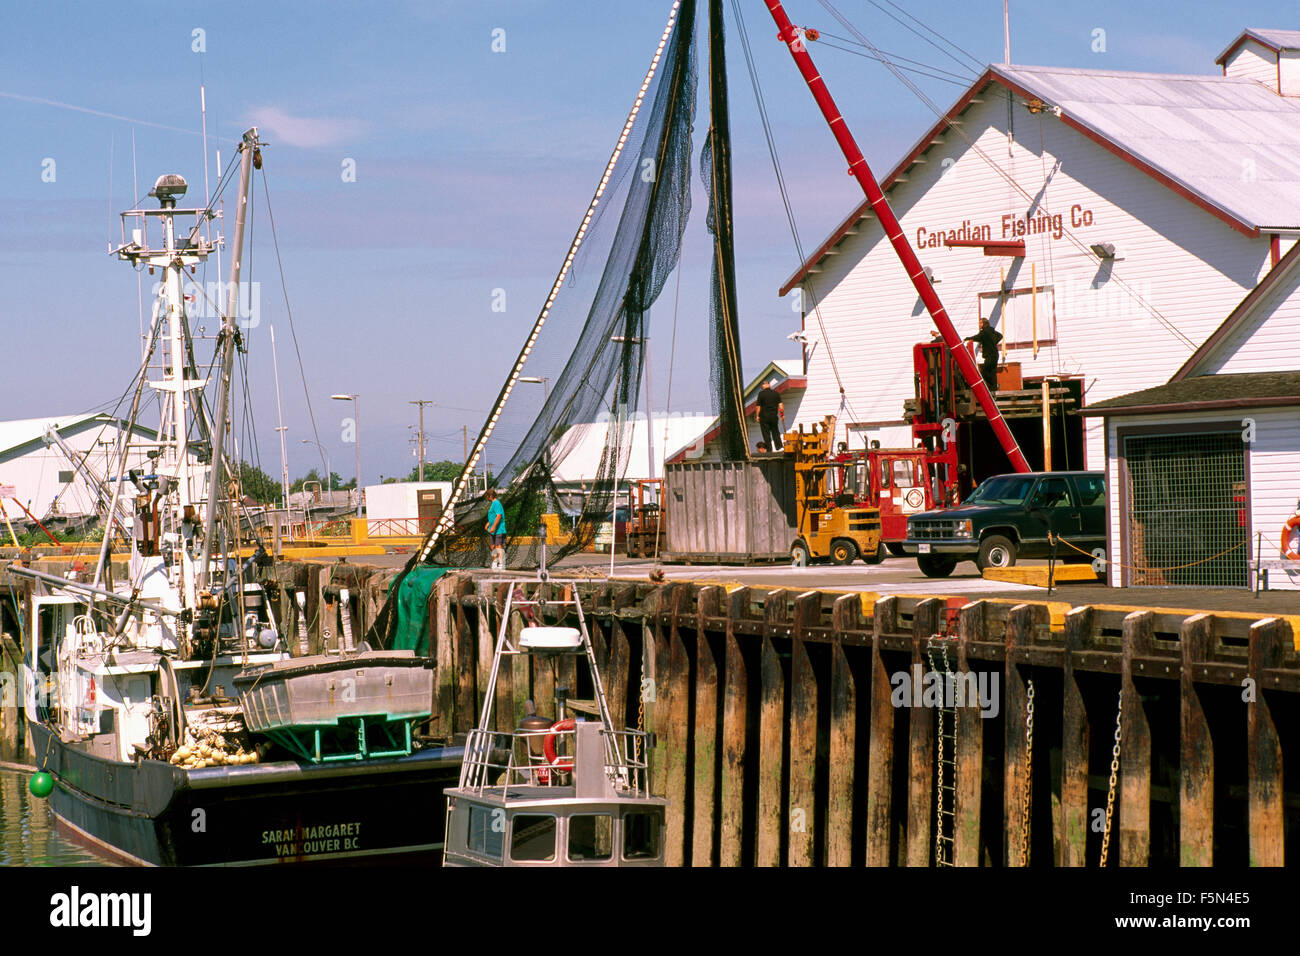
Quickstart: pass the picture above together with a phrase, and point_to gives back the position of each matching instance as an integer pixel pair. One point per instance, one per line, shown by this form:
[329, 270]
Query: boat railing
[499, 760]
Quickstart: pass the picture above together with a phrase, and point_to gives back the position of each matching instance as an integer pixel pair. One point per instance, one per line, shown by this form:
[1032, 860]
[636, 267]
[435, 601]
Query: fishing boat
[562, 791]
[168, 721]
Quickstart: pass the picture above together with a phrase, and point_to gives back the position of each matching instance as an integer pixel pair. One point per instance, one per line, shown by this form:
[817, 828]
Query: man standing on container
[770, 409]
[988, 339]
[496, 529]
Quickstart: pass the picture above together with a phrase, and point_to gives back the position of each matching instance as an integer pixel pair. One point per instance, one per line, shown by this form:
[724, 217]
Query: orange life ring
[548, 744]
[1291, 538]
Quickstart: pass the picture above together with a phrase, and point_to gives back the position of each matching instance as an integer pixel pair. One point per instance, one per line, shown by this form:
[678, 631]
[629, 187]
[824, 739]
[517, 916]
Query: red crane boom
[859, 169]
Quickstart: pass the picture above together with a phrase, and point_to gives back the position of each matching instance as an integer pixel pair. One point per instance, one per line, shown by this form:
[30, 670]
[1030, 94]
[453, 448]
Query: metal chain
[1029, 773]
[1114, 777]
[940, 858]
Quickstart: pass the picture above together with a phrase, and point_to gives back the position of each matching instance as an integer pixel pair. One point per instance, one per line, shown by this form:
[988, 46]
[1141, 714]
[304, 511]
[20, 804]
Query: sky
[427, 162]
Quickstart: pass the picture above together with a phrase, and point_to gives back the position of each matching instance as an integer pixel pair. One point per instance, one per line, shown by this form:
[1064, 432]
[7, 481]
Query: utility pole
[419, 436]
[464, 437]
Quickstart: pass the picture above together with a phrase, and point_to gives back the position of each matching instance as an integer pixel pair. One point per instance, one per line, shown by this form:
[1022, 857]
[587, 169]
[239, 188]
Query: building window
[1023, 316]
[1188, 509]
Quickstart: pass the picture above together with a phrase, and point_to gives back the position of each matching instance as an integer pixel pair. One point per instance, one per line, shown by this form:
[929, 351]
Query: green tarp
[412, 632]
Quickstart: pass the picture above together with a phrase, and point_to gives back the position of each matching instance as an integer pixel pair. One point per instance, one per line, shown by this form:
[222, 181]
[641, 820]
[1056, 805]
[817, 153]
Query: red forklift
[646, 525]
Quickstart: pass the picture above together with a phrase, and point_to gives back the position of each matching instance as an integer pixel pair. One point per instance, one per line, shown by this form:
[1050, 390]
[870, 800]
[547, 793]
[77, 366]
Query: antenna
[139, 275]
[1006, 33]
[207, 192]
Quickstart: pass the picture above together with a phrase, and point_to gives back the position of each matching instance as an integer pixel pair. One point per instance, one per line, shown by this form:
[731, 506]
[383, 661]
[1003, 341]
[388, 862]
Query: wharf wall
[799, 728]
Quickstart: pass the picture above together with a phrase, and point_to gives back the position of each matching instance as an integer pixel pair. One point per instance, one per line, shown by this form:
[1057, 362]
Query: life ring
[548, 744]
[1291, 538]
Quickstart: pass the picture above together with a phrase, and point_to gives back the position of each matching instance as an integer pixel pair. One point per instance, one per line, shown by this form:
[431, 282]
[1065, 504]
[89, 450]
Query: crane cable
[785, 200]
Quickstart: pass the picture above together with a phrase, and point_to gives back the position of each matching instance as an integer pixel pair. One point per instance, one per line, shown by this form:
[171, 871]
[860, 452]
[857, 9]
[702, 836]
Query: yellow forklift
[830, 525]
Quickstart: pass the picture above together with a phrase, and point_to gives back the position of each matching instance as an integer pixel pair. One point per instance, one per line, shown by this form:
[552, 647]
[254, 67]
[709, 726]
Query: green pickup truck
[1008, 517]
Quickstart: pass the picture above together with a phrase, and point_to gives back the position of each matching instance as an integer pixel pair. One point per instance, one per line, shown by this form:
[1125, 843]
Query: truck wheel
[843, 551]
[934, 566]
[878, 556]
[799, 555]
[996, 551]
[896, 549]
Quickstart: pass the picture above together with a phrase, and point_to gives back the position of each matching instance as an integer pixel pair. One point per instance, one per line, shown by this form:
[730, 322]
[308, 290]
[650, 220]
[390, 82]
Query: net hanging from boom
[567, 459]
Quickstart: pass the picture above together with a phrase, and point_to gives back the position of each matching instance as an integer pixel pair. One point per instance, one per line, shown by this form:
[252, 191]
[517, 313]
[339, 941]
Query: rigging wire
[785, 198]
[979, 64]
[302, 370]
[941, 75]
[976, 148]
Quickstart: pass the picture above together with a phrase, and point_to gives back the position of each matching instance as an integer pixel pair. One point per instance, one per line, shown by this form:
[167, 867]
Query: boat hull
[153, 813]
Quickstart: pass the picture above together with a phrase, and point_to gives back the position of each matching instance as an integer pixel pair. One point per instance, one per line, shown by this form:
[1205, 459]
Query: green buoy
[41, 785]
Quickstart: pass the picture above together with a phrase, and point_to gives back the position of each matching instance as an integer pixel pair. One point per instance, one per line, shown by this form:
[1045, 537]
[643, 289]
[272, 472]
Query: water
[27, 833]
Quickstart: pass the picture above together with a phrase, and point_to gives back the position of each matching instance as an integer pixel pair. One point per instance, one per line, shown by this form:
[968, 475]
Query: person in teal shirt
[496, 529]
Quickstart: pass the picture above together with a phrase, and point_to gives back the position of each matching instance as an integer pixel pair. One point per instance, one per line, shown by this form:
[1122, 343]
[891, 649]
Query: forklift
[830, 523]
[646, 528]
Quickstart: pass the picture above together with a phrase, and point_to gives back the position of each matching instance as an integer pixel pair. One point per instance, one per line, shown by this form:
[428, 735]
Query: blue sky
[473, 168]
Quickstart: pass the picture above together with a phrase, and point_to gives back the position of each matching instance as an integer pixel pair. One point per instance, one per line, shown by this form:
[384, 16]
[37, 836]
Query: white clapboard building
[54, 480]
[1203, 471]
[1105, 222]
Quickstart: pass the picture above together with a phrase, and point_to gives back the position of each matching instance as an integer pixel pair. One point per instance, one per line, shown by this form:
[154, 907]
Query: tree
[438, 471]
[257, 484]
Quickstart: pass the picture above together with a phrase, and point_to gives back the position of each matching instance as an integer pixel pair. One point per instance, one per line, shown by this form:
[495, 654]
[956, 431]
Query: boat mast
[248, 147]
[792, 37]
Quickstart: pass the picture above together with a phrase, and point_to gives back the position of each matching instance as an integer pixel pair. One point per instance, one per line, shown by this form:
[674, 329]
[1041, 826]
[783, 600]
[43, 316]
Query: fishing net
[563, 463]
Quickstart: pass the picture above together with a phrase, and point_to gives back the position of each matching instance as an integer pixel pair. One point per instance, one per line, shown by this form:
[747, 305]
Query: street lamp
[356, 436]
[329, 472]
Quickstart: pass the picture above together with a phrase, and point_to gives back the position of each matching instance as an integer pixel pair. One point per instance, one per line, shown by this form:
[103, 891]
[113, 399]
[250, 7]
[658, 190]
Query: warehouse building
[1104, 222]
[1203, 471]
[58, 482]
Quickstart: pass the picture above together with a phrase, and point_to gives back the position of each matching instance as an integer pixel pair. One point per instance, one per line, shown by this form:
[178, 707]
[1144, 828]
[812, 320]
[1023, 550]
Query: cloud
[306, 132]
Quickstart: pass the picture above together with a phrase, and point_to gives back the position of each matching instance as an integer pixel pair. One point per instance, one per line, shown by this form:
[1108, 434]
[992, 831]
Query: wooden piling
[676, 690]
[1264, 748]
[880, 773]
[1196, 770]
[735, 703]
[920, 735]
[616, 679]
[445, 655]
[485, 649]
[771, 731]
[802, 793]
[705, 742]
[1023, 623]
[969, 776]
[466, 660]
[1074, 742]
[1135, 748]
[843, 742]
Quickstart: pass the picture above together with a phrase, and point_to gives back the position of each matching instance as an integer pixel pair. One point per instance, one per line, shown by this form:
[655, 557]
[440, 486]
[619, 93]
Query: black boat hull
[152, 813]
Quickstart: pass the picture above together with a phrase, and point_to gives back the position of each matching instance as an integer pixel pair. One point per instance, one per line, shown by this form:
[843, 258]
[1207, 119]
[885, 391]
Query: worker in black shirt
[988, 339]
[769, 410]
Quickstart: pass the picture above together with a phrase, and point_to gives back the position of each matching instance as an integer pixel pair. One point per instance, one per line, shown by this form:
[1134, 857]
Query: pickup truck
[1008, 517]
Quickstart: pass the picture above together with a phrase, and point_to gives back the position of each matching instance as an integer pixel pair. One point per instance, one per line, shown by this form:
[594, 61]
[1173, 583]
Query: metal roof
[1230, 141]
[1192, 133]
[1206, 392]
[23, 431]
[1276, 40]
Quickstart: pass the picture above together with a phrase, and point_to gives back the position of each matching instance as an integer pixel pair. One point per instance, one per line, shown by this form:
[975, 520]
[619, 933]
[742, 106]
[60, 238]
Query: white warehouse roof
[1229, 140]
